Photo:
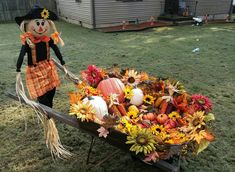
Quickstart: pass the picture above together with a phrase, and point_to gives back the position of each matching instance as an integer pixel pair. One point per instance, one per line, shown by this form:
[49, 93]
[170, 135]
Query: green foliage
[164, 52]
[209, 117]
[202, 146]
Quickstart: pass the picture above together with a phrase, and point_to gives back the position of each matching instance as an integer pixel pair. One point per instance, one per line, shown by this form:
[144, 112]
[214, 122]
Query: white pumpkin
[138, 97]
[99, 106]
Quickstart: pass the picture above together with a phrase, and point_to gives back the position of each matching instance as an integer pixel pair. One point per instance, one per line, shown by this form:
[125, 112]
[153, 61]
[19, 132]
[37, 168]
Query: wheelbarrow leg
[90, 149]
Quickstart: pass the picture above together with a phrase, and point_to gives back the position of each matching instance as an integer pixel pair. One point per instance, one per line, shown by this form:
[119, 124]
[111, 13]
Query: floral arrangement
[158, 116]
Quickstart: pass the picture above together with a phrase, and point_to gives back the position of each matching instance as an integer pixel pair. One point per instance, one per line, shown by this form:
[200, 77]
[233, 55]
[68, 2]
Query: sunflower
[142, 140]
[159, 131]
[45, 14]
[132, 114]
[127, 127]
[148, 99]
[174, 115]
[196, 120]
[83, 111]
[131, 77]
[128, 92]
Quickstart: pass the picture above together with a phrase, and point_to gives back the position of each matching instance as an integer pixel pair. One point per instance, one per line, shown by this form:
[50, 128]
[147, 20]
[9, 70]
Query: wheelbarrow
[115, 138]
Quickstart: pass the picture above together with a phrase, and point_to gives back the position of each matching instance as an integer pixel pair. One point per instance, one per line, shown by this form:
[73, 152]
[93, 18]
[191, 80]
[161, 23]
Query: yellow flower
[198, 136]
[163, 135]
[170, 141]
[83, 111]
[45, 14]
[179, 138]
[128, 92]
[196, 120]
[127, 126]
[157, 129]
[144, 76]
[142, 140]
[174, 115]
[131, 77]
[132, 114]
[148, 99]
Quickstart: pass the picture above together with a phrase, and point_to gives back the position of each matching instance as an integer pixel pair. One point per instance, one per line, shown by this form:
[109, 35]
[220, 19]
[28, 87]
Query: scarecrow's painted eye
[43, 23]
[38, 23]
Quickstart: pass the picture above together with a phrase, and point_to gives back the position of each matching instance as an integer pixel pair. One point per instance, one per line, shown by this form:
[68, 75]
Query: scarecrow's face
[38, 27]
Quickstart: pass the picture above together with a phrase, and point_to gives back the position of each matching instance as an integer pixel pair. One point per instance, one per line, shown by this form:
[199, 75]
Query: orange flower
[55, 37]
[144, 76]
[74, 97]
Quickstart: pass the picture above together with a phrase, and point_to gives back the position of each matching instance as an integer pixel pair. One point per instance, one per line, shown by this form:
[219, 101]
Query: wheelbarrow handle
[72, 77]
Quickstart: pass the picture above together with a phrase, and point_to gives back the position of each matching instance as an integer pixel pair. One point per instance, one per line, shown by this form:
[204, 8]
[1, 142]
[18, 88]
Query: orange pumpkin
[149, 116]
[162, 118]
[112, 86]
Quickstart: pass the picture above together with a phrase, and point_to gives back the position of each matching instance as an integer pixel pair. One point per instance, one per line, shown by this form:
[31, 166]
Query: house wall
[114, 12]
[9, 9]
[75, 12]
[217, 9]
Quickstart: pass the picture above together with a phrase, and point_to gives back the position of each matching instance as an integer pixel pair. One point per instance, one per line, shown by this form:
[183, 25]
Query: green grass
[165, 52]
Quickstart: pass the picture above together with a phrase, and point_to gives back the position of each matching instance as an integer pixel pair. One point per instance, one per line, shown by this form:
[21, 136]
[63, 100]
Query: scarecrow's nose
[40, 29]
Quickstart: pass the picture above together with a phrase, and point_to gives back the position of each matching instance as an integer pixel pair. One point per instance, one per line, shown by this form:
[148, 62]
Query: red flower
[93, 75]
[201, 102]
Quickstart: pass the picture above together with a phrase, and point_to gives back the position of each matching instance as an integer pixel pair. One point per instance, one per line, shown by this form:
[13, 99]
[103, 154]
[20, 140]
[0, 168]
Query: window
[78, 0]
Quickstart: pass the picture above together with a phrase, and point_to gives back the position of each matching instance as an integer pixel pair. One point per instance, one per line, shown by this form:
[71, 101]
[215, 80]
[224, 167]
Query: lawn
[165, 52]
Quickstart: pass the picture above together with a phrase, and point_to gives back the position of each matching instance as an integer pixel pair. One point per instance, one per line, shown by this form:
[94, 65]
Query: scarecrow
[41, 74]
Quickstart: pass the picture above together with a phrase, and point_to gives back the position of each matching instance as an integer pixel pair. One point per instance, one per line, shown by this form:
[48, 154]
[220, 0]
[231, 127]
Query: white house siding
[75, 12]
[217, 9]
[112, 12]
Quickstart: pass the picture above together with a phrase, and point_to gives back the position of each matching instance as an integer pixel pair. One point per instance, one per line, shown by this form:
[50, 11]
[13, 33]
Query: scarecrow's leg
[50, 96]
[47, 98]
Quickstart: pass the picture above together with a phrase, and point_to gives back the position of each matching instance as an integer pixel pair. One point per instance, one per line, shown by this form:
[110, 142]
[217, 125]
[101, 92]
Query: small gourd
[138, 97]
